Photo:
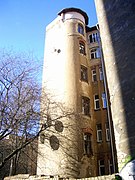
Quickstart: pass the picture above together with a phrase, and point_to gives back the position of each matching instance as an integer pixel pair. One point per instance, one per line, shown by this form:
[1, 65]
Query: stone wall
[28, 177]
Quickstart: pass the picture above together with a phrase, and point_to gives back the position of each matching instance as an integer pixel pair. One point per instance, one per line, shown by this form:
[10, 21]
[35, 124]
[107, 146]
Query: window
[95, 53]
[93, 37]
[96, 101]
[101, 167]
[110, 166]
[107, 132]
[104, 100]
[87, 143]
[82, 48]
[84, 74]
[99, 133]
[80, 29]
[85, 106]
[100, 74]
[94, 75]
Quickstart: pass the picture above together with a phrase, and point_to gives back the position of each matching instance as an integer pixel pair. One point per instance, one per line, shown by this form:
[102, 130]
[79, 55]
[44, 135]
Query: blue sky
[23, 22]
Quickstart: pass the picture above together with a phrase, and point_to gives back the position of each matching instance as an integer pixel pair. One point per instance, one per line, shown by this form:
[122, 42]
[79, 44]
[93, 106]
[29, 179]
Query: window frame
[99, 133]
[96, 102]
[104, 100]
[80, 29]
[85, 105]
[107, 131]
[87, 137]
[82, 49]
[94, 75]
[95, 53]
[93, 37]
[101, 76]
[100, 165]
[84, 73]
[110, 164]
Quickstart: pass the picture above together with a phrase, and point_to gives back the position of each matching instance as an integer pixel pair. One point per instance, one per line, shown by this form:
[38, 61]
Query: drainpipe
[106, 92]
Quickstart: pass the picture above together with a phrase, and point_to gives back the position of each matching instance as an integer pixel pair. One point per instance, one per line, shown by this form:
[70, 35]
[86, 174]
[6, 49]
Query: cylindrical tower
[117, 28]
[65, 65]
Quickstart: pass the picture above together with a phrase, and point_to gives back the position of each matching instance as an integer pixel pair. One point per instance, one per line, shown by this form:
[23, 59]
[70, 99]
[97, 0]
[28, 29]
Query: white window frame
[110, 166]
[101, 74]
[95, 53]
[94, 75]
[96, 102]
[99, 133]
[101, 166]
[93, 37]
[107, 131]
[104, 101]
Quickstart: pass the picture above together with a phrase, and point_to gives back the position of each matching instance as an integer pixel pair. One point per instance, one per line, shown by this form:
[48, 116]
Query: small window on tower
[81, 29]
[82, 48]
[86, 106]
[87, 143]
[84, 73]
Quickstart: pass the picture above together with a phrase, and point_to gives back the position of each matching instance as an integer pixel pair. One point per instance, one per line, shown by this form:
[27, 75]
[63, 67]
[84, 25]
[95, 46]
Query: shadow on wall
[120, 20]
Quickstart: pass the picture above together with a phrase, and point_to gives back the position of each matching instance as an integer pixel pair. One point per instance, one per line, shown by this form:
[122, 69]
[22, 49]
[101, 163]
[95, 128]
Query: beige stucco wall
[61, 76]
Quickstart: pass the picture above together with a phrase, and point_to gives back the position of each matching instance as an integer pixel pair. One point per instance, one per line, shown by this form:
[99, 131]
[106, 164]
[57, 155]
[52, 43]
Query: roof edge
[75, 10]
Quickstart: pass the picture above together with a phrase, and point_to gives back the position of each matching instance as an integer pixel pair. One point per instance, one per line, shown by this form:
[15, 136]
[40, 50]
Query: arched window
[81, 29]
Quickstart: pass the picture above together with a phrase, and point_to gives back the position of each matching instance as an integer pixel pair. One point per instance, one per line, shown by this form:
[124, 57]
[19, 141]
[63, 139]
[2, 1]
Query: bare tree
[20, 112]
[19, 102]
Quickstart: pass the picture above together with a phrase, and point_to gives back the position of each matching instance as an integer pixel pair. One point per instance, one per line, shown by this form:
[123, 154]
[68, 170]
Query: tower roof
[75, 10]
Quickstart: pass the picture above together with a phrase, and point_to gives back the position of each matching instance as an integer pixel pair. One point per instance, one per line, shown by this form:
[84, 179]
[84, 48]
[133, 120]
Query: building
[118, 43]
[73, 74]
[24, 162]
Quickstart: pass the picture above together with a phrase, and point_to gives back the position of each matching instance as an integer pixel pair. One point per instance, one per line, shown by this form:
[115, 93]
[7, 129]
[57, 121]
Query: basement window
[101, 164]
